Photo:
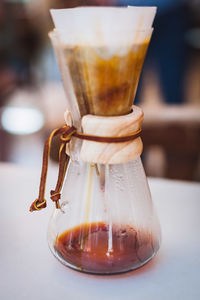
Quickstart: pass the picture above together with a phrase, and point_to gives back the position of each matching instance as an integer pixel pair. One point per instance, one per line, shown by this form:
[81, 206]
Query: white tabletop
[28, 270]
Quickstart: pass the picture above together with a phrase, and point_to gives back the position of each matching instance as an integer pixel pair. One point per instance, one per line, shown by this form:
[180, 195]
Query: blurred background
[32, 99]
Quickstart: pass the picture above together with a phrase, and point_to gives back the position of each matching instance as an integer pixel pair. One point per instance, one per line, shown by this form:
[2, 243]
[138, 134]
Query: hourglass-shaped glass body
[107, 223]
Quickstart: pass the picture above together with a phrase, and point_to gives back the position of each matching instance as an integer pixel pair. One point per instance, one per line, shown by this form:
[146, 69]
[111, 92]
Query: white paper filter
[103, 26]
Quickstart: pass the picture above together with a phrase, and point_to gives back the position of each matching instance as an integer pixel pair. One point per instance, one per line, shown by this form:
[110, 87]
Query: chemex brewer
[104, 222]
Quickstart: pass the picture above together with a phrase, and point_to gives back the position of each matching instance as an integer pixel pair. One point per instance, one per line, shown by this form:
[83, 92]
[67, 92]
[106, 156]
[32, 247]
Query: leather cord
[66, 132]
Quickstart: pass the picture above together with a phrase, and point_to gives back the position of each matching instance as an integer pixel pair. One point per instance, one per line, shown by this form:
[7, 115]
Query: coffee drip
[86, 247]
[105, 222]
[105, 87]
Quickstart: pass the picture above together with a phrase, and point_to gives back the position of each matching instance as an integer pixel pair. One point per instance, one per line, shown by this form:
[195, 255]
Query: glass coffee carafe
[105, 222]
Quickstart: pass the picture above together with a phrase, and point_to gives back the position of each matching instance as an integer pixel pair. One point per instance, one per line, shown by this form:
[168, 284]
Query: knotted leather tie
[66, 133]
